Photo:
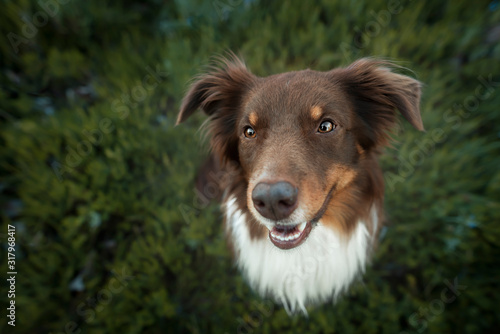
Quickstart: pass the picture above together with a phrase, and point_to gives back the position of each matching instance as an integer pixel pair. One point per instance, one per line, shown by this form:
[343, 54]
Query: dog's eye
[249, 132]
[326, 126]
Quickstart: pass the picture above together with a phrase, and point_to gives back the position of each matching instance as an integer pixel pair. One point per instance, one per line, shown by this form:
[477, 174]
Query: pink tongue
[283, 231]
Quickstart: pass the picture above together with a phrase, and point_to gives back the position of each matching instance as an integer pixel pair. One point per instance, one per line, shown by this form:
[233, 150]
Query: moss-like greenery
[99, 183]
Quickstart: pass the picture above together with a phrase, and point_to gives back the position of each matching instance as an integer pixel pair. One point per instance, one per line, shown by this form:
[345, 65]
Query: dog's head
[302, 138]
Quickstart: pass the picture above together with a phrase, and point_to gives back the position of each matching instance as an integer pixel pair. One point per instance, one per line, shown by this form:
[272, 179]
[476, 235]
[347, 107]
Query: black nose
[275, 200]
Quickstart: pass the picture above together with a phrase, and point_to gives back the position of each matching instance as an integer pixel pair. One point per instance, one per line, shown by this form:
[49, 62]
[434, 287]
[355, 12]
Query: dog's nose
[275, 201]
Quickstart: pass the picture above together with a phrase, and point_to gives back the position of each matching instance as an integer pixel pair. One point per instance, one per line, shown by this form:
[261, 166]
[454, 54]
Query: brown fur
[337, 173]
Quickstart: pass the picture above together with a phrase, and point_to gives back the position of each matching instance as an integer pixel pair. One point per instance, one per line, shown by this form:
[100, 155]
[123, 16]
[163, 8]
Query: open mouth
[287, 237]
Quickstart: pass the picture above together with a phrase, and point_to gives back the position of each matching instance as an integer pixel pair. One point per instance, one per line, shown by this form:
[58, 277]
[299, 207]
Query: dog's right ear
[218, 93]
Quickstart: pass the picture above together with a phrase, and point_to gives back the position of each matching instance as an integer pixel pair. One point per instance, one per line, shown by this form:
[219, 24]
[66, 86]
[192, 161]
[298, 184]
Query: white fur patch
[316, 271]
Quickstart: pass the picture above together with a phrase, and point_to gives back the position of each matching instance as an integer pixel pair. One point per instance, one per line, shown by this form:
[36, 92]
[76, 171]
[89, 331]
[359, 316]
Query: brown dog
[305, 200]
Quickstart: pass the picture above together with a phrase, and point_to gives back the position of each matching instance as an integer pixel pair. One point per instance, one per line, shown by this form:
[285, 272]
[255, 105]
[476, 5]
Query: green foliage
[99, 183]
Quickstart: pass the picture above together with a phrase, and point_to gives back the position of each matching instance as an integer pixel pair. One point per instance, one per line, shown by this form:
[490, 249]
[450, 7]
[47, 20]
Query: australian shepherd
[303, 202]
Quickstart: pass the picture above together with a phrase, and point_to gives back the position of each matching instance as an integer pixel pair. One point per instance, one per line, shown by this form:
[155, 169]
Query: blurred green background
[99, 183]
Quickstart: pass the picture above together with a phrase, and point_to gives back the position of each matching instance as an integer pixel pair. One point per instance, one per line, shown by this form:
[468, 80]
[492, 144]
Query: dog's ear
[376, 93]
[219, 91]
[219, 94]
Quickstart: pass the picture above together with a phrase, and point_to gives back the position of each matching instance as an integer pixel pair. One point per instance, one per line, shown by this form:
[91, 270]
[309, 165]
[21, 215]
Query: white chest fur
[314, 272]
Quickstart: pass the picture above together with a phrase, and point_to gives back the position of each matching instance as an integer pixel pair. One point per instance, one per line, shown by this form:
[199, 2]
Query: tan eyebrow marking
[253, 118]
[316, 112]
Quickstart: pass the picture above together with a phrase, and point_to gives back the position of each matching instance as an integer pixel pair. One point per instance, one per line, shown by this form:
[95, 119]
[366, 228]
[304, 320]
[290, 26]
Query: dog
[304, 201]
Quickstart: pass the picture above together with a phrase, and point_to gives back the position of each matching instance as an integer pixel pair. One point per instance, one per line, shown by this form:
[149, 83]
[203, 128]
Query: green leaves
[100, 184]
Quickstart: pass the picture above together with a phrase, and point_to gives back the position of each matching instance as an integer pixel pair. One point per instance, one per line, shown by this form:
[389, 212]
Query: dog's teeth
[288, 236]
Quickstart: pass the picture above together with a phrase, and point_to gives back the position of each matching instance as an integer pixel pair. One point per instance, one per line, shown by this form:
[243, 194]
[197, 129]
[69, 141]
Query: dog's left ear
[376, 93]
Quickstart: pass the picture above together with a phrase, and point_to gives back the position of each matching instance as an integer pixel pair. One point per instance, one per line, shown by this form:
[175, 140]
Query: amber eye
[326, 126]
[249, 132]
